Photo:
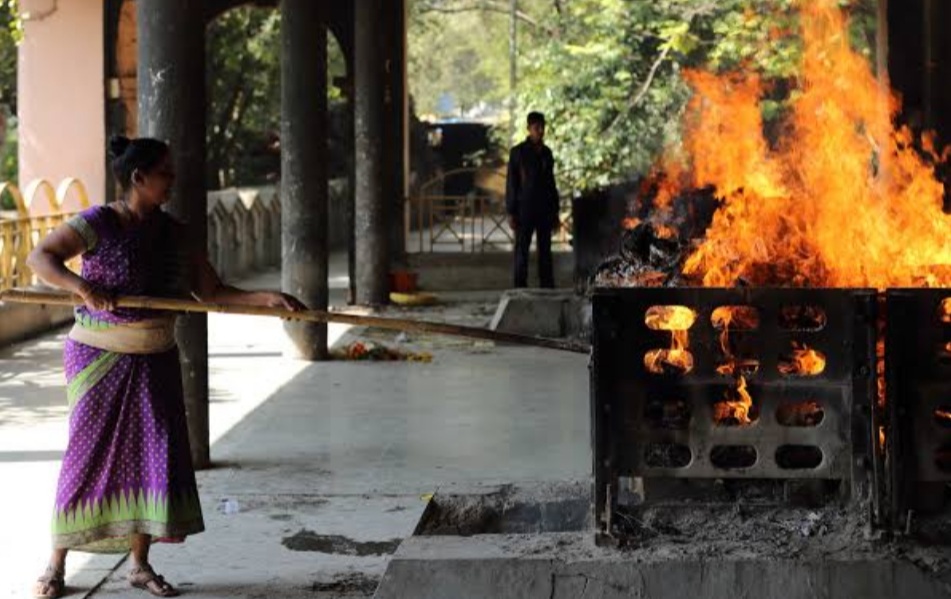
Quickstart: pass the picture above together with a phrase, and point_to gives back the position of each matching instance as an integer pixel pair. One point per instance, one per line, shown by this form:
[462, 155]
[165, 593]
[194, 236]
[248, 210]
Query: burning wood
[676, 360]
[630, 223]
[802, 318]
[804, 361]
[804, 414]
[670, 318]
[735, 318]
[677, 320]
[945, 311]
[735, 409]
[737, 367]
[845, 182]
[650, 256]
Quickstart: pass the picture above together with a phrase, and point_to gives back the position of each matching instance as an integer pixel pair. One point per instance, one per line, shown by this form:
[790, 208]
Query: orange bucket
[403, 281]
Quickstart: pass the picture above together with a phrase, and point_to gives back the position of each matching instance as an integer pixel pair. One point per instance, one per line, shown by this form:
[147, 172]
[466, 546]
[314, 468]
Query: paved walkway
[327, 461]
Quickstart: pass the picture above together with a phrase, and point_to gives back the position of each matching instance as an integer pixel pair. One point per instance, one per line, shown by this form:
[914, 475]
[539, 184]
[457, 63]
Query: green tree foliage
[244, 108]
[10, 34]
[243, 54]
[608, 72]
[461, 48]
[611, 80]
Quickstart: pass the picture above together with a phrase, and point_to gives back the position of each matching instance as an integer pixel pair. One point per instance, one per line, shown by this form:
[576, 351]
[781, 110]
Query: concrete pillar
[171, 84]
[351, 206]
[304, 195]
[115, 115]
[372, 242]
[396, 99]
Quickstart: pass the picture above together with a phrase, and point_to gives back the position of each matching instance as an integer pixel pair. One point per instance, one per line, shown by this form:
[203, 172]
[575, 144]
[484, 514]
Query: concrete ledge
[569, 565]
[450, 271]
[543, 312]
[23, 321]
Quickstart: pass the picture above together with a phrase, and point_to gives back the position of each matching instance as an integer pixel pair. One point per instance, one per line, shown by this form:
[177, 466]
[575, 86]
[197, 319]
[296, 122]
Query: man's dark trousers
[523, 243]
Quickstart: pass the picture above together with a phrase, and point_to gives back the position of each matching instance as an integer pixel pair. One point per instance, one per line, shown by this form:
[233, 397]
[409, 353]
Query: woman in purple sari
[127, 478]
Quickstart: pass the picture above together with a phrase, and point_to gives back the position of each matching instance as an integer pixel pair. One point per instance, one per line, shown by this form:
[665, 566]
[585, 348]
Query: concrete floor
[345, 449]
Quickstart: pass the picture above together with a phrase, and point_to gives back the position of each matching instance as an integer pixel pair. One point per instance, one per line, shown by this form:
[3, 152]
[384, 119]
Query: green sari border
[90, 376]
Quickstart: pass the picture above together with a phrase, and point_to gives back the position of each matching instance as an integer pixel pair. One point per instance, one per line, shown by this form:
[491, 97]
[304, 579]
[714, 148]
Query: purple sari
[127, 469]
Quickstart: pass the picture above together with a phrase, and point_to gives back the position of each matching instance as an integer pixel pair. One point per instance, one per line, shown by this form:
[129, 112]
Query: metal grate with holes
[918, 383]
[756, 384]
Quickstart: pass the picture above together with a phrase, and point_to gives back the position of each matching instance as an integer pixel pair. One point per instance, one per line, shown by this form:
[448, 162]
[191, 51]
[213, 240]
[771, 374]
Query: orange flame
[945, 311]
[736, 405]
[943, 414]
[669, 318]
[664, 232]
[677, 320]
[674, 360]
[803, 361]
[807, 413]
[741, 318]
[630, 223]
[844, 201]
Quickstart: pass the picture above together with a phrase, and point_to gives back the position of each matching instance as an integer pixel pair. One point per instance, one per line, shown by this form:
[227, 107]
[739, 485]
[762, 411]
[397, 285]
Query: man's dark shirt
[530, 192]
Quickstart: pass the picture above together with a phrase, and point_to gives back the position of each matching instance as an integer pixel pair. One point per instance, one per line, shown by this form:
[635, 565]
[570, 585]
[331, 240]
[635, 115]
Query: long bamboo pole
[57, 298]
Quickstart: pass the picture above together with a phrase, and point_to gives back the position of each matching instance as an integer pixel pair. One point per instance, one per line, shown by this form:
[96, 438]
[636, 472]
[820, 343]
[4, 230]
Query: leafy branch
[678, 36]
[439, 6]
[11, 8]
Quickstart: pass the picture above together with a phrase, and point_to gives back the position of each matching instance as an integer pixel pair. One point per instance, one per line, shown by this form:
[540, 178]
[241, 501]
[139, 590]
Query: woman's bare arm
[48, 261]
[210, 288]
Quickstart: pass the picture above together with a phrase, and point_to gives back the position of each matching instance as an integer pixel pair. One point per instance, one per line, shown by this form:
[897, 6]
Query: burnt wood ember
[652, 253]
[648, 257]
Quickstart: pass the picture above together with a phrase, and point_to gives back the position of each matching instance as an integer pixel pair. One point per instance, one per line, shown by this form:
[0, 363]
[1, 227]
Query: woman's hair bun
[118, 144]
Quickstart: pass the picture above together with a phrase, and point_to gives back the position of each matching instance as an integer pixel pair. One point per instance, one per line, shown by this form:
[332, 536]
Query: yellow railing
[41, 212]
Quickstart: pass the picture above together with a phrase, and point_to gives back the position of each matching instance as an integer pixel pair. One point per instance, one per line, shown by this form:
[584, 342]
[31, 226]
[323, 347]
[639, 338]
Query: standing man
[531, 200]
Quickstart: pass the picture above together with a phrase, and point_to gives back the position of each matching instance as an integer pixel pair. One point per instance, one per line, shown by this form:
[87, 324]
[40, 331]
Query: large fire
[845, 200]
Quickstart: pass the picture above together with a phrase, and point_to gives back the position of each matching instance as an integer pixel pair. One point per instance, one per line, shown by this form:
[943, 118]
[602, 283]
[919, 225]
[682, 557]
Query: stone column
[372, 243]
[351, 205]
[171, 94]
[304, 195]
[396, 110]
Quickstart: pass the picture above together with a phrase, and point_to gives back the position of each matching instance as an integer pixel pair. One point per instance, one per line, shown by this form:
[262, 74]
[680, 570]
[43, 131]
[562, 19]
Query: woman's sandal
[51, 585]
[145, 578]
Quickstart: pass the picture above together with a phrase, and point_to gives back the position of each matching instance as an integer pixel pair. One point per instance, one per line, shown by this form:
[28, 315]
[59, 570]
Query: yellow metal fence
[42, 210]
